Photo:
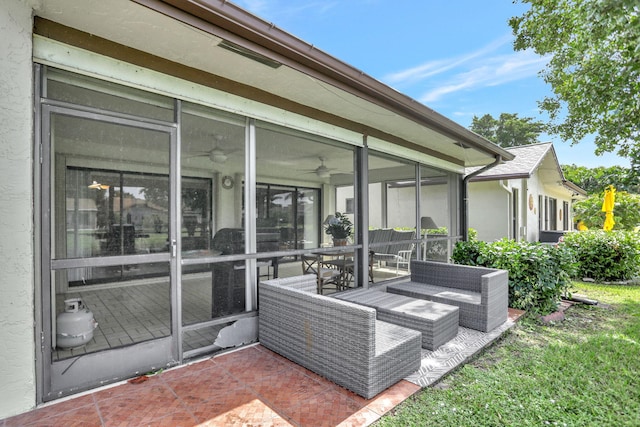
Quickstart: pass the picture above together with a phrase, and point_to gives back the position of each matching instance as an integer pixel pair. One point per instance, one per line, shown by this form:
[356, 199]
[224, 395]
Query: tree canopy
[594, 180]
[593, 70]
[626, 212]
[508, 130]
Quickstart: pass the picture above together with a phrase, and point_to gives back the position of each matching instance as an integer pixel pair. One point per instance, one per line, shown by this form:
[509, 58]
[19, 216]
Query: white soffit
[406, 153]
[136, 26]
[50, 52]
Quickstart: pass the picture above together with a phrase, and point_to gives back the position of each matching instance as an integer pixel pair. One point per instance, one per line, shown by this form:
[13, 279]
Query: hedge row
[605, 256]
[539, 275]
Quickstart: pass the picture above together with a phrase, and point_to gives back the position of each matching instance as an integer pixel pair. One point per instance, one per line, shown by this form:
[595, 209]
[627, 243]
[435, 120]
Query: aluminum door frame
[87, 371]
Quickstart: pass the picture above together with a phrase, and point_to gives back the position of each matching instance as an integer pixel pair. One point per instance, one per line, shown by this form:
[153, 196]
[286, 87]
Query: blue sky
[454, 56]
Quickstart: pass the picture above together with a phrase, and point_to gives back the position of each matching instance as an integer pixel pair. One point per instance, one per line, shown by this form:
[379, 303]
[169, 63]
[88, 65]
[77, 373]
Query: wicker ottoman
[437, 322]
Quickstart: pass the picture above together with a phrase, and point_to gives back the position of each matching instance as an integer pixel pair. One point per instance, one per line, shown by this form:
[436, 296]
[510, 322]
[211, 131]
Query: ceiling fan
[321, 171]
[217, 154]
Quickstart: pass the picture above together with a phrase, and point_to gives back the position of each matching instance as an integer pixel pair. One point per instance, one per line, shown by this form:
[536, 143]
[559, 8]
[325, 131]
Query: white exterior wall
[375, 209]
[435, 203]
[489, 207]
[523, 210]
[534, 189]
[401, 207]
[17, 352]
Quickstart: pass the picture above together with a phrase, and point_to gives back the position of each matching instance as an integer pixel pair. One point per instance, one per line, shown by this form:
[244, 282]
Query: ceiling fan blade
[216, 155]
[197, 155]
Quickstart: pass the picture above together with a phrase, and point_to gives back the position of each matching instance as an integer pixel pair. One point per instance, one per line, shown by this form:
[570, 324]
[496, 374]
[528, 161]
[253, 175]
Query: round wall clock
[227, 182]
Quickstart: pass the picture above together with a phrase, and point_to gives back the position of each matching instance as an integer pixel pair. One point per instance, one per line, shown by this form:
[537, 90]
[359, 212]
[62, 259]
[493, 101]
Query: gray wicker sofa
[338, 340]
[482, 294]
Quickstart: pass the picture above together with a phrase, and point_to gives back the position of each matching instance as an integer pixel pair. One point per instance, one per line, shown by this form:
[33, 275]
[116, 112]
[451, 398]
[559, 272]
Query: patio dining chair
[351, 267]
[404, 259]
[326, 277]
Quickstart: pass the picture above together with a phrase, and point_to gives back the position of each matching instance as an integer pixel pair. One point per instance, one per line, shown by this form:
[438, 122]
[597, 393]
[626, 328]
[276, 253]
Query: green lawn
[584, 371]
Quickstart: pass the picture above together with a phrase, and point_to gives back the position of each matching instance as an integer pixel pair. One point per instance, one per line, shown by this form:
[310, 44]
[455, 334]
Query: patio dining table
[338, 259]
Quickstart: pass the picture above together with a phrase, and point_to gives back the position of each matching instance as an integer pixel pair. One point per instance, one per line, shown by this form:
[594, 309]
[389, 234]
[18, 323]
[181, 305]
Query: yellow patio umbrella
[607, 207]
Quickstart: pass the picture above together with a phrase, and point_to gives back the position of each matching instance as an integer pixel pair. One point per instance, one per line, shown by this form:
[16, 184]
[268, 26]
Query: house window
[565, 216]
[121, 213]
[294, 170]
[514, 213]
[288, 211]
[552, 215]
[541, 209]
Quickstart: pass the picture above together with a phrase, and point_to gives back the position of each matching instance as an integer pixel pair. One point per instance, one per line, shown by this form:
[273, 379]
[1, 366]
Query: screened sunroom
[184, 151]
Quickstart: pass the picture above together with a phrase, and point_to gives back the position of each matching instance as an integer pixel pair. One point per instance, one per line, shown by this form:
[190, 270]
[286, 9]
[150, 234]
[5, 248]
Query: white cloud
[490, 71]
[439, 92]
[440, 66]
[487, 66]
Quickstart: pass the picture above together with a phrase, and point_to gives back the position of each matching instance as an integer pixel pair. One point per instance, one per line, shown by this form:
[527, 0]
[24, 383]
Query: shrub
[538, 274]
[605, 255]
[469, 252]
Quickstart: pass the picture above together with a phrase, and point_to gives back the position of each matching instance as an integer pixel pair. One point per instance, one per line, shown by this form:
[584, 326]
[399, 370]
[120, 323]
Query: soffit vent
[232, 47]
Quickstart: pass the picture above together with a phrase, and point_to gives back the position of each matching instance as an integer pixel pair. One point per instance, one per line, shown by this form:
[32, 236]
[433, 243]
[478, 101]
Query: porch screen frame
[52, 383]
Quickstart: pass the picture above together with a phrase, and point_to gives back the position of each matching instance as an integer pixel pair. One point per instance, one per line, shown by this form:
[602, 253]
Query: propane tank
[75, 325]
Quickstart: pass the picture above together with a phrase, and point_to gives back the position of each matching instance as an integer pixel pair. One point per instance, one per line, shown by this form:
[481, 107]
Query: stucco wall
[401, 208]
[489, 210]
[534, 189]
[435, 203]
[17, 367]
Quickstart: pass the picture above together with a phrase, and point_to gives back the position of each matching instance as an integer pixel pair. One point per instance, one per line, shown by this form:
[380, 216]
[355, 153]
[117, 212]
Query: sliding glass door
[291, 212]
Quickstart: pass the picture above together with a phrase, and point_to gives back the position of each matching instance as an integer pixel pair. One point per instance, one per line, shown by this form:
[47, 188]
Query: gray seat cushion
[460, 295]
[437, 322]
